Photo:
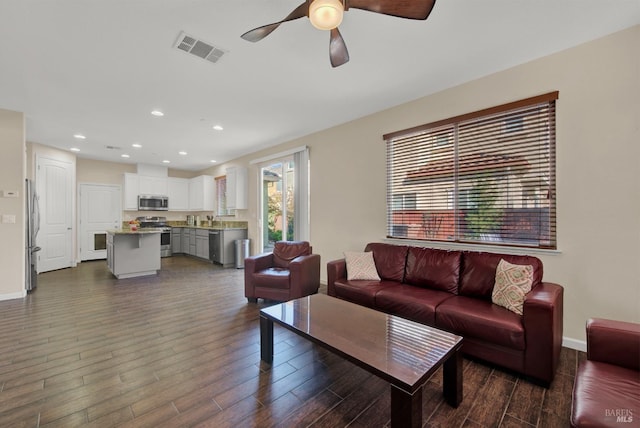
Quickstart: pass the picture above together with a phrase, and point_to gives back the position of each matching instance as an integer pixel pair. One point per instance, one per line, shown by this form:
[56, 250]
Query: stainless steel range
[165, 236]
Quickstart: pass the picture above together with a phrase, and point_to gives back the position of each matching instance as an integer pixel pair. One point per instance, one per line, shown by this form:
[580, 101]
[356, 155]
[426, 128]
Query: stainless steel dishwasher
[215, 246]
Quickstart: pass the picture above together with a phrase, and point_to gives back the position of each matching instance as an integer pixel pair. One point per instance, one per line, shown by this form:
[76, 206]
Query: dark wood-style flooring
[182, 349]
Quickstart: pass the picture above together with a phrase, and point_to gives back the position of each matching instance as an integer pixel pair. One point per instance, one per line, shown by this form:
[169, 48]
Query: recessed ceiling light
[74, 149]
[218, 128]
[136, 145]
[166, 161]
[124, 155]
[79, 136]
[157, 113]
[182, 153]
[213, 161]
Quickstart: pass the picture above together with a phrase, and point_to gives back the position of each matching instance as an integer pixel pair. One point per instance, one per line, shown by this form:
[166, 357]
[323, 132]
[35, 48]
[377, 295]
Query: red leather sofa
[606, 390]
[452, 290]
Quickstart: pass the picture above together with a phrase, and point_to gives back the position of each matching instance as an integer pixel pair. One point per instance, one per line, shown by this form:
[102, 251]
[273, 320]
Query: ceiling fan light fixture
[326, 14]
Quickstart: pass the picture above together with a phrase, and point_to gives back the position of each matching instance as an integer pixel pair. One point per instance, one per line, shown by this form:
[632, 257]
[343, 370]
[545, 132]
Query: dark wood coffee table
[402, 352]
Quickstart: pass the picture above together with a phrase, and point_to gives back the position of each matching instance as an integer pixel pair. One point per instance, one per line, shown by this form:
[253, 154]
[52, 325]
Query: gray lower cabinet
[185, 240]
[217, 246]
[202, 243]
[223, 245]
[192, 242]
[176, 240]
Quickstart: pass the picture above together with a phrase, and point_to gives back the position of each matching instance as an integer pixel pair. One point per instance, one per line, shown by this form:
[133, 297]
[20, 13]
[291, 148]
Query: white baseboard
[579, 345]
[12, 296]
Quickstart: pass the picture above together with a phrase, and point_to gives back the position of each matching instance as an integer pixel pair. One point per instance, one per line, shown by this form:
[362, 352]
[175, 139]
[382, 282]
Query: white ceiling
[98, 67]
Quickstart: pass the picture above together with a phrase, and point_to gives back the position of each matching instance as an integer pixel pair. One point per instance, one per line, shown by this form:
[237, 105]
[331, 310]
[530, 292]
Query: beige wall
[12, 175]
[598, 172]
[90, 171]
[103, 172]
[34, 150]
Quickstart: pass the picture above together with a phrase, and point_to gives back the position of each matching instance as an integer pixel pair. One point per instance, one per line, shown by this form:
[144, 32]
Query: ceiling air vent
[204, 50]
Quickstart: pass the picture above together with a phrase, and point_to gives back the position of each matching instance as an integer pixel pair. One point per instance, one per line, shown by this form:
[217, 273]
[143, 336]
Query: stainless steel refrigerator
[32, 226]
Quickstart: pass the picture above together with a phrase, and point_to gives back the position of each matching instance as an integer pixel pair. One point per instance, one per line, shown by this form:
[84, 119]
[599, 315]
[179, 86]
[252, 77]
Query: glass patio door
[278, 202]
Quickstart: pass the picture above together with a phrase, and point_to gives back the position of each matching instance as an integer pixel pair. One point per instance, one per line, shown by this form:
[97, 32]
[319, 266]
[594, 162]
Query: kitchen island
[132, 253]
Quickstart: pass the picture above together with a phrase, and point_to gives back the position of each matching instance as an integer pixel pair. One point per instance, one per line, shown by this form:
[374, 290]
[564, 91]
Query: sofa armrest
[252, 265]
[305, 275]
[336, 269]
[543, 322]
[257, 263]
[614, 342]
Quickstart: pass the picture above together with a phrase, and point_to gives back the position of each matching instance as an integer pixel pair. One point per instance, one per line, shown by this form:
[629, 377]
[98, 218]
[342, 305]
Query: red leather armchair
[290, 272]
[606, 390]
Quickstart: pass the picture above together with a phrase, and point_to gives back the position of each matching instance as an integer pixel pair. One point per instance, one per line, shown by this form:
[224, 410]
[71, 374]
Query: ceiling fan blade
[411, 9]
[260, 33]
[337, 49]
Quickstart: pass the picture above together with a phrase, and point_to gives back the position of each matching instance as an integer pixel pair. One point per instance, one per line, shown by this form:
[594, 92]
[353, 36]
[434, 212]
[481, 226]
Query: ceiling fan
[327, 15]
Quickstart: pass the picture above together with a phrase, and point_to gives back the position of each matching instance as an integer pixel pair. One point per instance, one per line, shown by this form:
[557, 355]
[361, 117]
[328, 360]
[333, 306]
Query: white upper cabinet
[178, 193]
[130, 192]
[195, 194]
[201, 193]
[150, 185]
[237, 188]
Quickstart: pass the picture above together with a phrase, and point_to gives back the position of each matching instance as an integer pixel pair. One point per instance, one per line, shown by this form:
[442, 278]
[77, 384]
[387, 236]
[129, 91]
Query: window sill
[520, 251]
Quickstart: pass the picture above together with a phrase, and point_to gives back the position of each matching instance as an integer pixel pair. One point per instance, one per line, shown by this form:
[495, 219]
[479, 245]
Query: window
[221, 197]
[513, 124]
[404, 202]
[279, 208]
[488, 178]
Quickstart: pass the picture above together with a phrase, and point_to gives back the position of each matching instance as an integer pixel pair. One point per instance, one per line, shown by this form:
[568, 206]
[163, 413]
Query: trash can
[242, 251]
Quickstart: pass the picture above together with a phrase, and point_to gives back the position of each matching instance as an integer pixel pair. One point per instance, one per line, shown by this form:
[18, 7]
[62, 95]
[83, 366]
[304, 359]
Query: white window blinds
[486, 177]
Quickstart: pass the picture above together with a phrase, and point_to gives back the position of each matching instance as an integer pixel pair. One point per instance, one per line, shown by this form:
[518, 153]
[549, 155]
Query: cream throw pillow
[513, 282]
[361, 266]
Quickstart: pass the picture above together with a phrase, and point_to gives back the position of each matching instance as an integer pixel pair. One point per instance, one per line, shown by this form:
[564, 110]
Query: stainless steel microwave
[153, 203]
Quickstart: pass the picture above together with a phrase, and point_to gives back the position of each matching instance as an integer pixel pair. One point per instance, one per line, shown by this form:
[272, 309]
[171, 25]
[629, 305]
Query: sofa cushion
[415, 303]
[603, 392]
[272, 278]
[360, 292]
[477, 318]
[390, 260]
[285, 251]
[360, 266]
[433, 268]
[513, 282]
[478, 273]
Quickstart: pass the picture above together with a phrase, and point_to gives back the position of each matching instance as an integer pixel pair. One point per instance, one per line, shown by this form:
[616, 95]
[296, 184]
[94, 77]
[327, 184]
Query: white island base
[133, 253]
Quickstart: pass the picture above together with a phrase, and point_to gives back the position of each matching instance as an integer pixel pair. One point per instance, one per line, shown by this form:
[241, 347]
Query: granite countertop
[146, 231]
[213, 227]
[217, 225]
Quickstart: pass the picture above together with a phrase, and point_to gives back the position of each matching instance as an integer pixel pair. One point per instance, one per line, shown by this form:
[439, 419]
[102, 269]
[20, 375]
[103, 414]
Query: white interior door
[100, 210]
[54, 181]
